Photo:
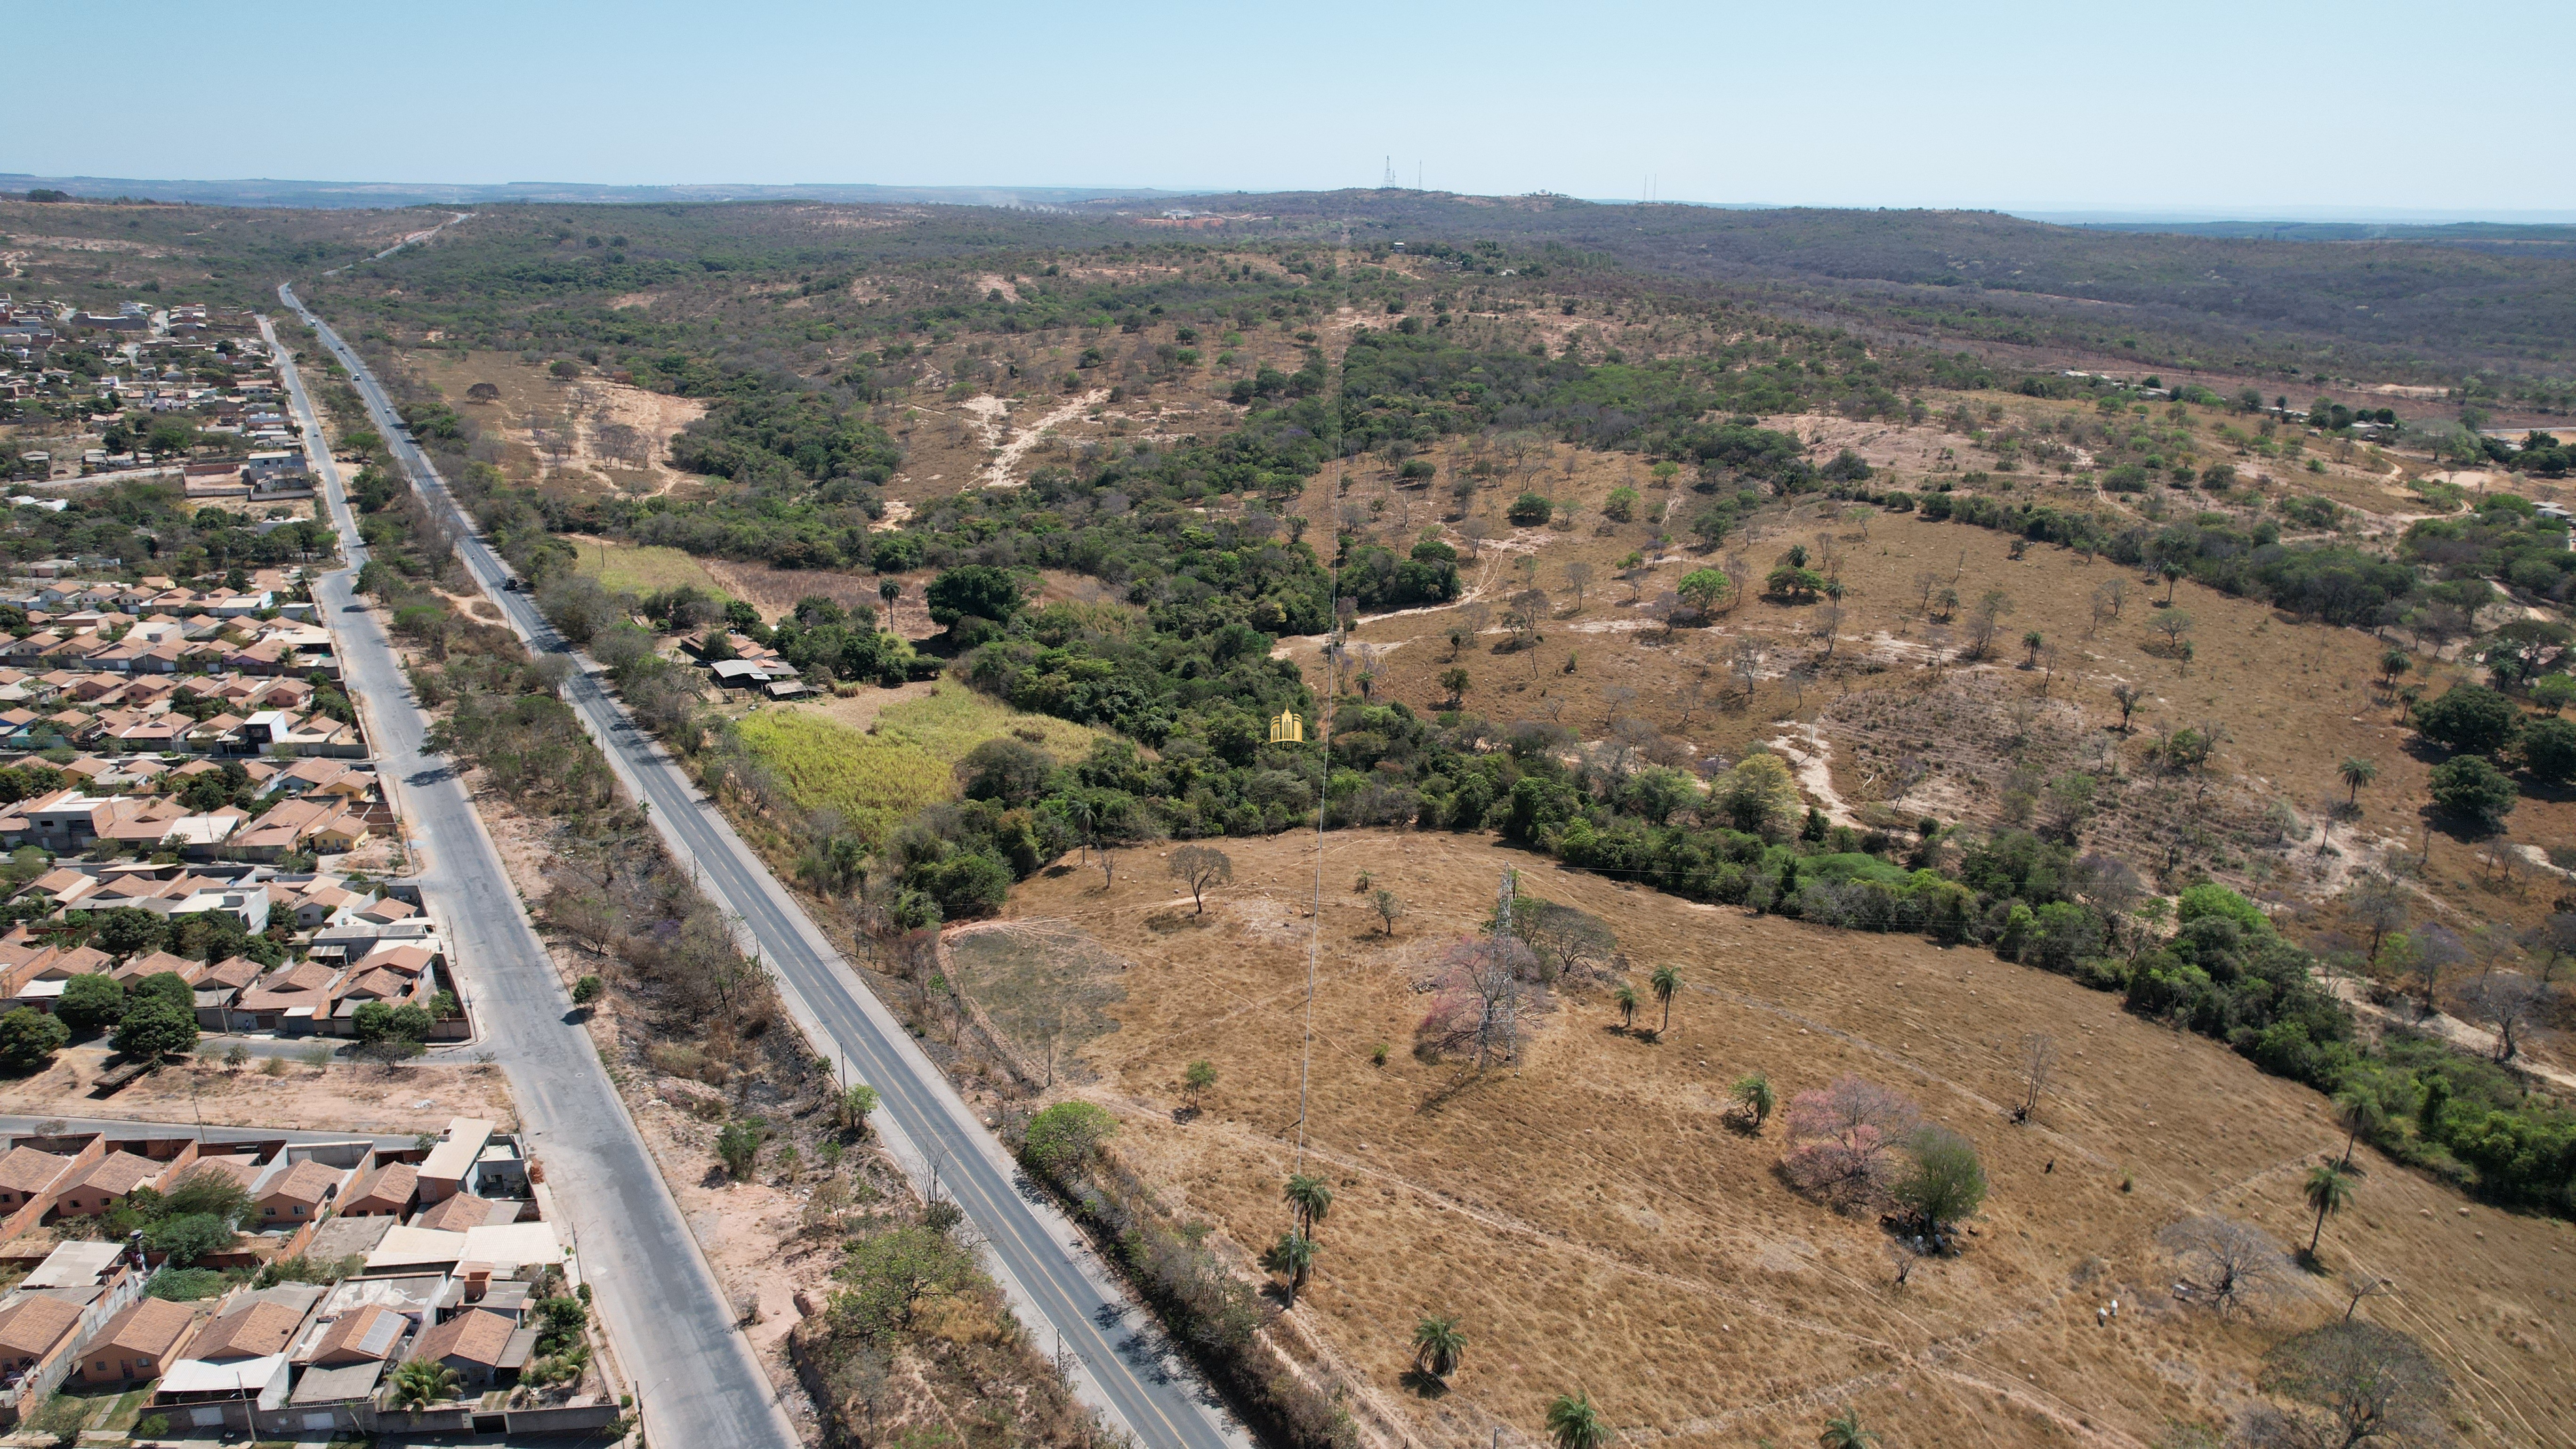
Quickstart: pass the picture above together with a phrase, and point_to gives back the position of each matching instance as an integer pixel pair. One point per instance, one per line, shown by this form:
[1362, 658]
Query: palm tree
[1754, 1098]
[1573, 1423]
[2392, 664]
[2173, 575]
[2327, 1191]
[1843, 1431]
[2356, 773]
[1292, 1255]
[421, 1383]
[1624, 996]
[1666, 981]
[2356, 1109]
[1437, 1343]
[1312, 1196]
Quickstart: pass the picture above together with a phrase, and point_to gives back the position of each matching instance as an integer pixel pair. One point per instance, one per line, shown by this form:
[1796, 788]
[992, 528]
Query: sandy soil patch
[342, 1096]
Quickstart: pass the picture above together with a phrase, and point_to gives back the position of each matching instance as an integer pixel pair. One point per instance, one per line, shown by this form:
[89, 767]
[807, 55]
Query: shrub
[2212, 899]
[186, 1285]
[739, 1146]
[1530, 510]
[188, 1237]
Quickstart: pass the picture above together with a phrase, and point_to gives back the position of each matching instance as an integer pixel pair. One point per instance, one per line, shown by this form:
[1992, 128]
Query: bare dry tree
[2225, 1264]
[2035, 1060]
[2504, 1001]
[1578, 577]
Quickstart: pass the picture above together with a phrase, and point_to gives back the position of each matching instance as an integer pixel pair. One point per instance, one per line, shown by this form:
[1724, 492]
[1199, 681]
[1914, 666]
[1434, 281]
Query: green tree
[2549, 750]
[976, 591]
[1196, 1079]
[851, 1108]
[1574, 1424]
[153, 1028]
[2356, 772]
[1666, 981]
[2469, 786]
[422, 1382]
[29, 1039]
[167, 986]
[2470, 719]
[1312, 1197]
[1389, 907]
[1753, 1097]
[1943, 1181]
[889, 1275]
[1702, 588]
[2327, 1191]
[1199, 867]
[1529, 510]
[1437, 1346]
[1624, 997]
[1065, 1137]
[587, 990]
[1843, 1431]
[2553, 692]
[89, 1003]
[1456, 680]
[127, 931]
[739, 1146]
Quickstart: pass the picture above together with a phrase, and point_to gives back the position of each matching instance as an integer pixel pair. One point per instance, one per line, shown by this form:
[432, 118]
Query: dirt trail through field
[997, 473]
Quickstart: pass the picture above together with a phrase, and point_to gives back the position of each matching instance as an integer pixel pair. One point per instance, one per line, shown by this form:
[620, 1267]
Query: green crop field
[957, 719]
[642, 569]
[872, 780]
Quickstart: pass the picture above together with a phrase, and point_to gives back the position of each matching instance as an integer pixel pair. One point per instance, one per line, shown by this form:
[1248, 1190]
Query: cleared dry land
[1598, 1222]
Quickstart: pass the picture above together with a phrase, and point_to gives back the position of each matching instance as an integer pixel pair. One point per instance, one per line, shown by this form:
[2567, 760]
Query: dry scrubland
[1598, 1222]
[581, 438]
[1894, 717]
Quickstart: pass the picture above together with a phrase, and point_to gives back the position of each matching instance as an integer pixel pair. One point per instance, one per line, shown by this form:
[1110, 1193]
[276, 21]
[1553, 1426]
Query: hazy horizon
[2007, 106]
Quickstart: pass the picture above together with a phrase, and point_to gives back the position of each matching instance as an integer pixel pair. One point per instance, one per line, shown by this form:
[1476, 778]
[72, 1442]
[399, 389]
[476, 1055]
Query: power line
[1315, 936]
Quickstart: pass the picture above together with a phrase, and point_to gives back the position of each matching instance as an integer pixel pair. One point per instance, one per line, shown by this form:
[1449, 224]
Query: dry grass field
[1893, 717]
[1599, 1223]
[582, 438]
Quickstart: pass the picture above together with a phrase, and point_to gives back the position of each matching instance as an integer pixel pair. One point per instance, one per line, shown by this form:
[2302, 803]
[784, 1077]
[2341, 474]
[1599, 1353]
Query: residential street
[672, 1330]
[1070, 1301]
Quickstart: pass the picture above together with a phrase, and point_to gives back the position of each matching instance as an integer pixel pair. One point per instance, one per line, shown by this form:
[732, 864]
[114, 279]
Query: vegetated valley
[1856, 832]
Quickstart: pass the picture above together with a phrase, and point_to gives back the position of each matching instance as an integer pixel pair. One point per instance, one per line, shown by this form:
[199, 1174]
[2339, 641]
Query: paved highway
[1120, 1361]
[673, 1331]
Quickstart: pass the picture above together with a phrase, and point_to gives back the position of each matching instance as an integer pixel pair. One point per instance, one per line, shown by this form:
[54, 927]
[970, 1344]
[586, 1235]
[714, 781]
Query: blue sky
[2260, 108]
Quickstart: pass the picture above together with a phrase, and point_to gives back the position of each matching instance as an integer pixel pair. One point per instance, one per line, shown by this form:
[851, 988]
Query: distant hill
[340, 194]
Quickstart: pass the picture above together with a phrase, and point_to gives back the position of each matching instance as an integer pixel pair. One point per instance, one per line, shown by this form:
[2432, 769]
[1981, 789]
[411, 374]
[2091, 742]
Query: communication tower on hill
[1388, 181]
